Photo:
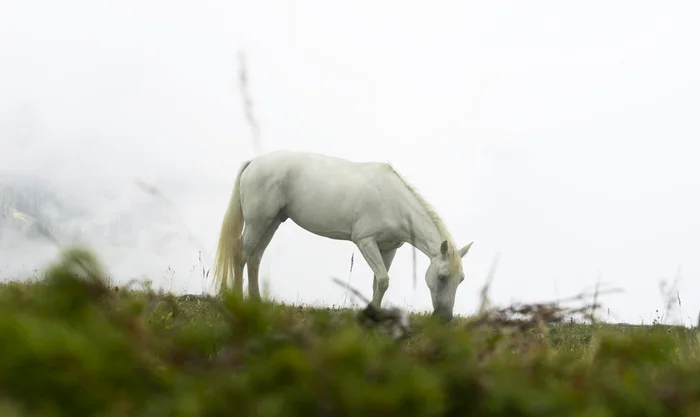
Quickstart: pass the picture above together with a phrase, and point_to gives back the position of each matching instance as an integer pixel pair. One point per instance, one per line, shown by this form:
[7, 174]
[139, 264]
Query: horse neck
[421, 231]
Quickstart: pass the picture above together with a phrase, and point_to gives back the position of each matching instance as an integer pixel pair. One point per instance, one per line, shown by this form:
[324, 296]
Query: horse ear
[443, 248]
[465, 249]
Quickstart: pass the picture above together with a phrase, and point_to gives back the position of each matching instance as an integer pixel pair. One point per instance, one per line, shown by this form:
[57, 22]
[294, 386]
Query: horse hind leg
[256, 256]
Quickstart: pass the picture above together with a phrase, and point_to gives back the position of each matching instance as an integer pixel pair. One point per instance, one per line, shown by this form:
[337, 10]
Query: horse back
[323, 194]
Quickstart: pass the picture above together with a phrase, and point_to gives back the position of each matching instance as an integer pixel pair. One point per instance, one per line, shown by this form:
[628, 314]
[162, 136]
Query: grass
[73, 345]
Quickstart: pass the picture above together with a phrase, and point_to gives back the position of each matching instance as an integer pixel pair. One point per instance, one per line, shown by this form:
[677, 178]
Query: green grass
[72, 345]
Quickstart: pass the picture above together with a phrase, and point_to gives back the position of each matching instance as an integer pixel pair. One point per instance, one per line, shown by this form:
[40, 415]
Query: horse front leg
[375, 259]
[387, 259]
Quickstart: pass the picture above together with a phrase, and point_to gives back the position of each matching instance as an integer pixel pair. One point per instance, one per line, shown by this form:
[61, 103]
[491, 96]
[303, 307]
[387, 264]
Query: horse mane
[455, 259]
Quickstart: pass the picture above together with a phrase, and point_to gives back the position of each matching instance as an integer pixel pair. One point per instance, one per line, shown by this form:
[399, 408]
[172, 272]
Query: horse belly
[324, 212]
[322, 206]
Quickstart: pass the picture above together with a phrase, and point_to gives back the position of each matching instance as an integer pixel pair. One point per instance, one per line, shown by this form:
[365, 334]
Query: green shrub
[72, 345]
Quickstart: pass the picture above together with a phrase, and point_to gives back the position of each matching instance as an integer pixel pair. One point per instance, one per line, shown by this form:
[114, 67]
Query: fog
[562, 136]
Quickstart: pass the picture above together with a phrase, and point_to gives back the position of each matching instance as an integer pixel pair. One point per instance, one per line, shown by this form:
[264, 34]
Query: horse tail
[228, 251]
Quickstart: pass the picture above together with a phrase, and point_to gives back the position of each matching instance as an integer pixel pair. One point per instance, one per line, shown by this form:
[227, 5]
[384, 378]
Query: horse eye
[442, 277]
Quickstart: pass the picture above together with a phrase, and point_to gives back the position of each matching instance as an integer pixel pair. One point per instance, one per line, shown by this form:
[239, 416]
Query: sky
[562, 136]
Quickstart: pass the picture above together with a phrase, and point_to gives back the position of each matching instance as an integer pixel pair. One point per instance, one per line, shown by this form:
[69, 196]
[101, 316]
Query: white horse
[369, 204]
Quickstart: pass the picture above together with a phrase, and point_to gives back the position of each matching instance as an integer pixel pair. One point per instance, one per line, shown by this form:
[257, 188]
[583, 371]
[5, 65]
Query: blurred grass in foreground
[71, 345]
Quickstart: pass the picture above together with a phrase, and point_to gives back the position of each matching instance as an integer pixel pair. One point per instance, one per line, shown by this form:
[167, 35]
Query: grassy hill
[73, 345]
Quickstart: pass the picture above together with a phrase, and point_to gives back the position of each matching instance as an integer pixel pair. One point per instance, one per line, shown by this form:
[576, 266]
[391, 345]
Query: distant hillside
[28, 204]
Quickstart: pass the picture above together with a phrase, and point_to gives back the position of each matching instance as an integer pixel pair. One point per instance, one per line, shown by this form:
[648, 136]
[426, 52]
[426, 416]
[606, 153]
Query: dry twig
[392, 320]
[538, 315]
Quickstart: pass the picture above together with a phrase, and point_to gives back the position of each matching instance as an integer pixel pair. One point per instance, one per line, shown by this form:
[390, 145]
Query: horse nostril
[443, 316]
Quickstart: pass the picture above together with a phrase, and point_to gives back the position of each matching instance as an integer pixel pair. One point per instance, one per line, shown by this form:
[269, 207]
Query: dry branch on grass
[538, 315]
[392, 320]
[517, 317]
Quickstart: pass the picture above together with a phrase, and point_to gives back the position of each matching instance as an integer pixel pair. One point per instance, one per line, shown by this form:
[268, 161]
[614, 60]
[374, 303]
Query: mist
[562, 136]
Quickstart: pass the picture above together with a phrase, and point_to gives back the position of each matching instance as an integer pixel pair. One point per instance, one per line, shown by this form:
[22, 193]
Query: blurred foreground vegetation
[72, 345]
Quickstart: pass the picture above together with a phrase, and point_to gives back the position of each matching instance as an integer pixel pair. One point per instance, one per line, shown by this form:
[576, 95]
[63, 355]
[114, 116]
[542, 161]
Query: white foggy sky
[562, 135]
